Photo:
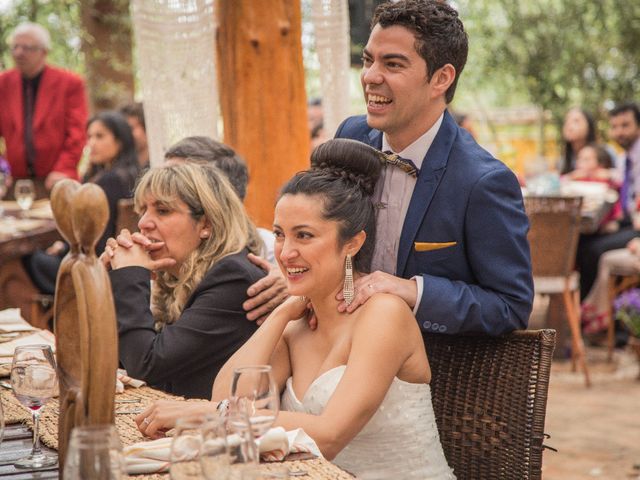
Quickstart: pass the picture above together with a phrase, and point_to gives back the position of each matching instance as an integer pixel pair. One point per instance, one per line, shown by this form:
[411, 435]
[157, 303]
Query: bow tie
[403, 164]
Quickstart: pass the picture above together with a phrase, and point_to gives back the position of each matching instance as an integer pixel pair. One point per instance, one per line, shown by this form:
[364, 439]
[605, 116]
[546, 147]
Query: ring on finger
[146, 421]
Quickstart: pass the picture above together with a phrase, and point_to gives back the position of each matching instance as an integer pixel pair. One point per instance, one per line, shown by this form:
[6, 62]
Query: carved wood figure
[84, 318]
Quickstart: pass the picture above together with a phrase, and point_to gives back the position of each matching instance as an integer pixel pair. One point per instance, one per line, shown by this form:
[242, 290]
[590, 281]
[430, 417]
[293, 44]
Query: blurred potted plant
[627, 307]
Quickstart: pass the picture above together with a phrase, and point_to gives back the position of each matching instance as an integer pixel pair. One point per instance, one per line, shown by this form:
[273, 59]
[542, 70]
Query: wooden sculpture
[84, 318]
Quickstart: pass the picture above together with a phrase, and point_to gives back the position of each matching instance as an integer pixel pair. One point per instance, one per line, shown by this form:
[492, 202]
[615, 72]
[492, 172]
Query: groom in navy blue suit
[451, 241]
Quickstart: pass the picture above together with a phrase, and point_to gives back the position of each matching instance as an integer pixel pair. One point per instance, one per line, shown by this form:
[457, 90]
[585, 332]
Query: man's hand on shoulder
[380, 282]
[267, 293]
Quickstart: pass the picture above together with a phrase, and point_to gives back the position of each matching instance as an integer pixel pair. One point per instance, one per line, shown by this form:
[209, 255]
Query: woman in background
[578, 130]
[113, 165]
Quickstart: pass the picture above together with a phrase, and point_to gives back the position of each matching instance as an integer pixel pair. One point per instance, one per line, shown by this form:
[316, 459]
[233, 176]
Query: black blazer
[185, 357]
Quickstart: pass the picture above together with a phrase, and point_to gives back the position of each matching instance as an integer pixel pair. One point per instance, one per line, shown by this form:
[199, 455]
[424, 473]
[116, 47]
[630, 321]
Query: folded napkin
[12, 321]
[41, 337]
[153, 456]
[123, 379]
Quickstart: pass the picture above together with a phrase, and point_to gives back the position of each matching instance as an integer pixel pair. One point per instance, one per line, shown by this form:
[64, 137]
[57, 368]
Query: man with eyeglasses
[44, 111]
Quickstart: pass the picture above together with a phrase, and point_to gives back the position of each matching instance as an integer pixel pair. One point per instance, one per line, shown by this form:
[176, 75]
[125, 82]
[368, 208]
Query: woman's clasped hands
[134, 250]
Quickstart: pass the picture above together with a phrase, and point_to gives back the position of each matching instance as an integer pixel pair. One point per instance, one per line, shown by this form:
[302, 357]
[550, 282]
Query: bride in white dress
[358, 384]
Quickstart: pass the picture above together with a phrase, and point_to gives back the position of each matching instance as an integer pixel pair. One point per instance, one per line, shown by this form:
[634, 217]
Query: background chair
[490, 399]
[553, 238]
[84, 313]
[621, 278]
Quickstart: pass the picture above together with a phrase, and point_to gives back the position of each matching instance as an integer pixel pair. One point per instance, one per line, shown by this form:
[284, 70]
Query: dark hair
[125, 164]
[569, 154]
[344, 173]
[603, 156]
[439, 33]
[136, 111]
[626, 107]
[207, 150]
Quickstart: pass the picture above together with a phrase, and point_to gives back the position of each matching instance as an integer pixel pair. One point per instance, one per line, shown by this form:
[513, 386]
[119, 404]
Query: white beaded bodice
[400, 441]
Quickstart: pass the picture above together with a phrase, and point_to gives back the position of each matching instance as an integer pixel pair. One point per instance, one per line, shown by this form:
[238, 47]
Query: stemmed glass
[254, 391]
[25, 193]
[33, 379]
[3, 189]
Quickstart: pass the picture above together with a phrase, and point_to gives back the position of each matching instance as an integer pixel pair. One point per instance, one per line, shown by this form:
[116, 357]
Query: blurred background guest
[43, 113]
[578, 129]
[114, 167]
[194, 238]
[134, 113]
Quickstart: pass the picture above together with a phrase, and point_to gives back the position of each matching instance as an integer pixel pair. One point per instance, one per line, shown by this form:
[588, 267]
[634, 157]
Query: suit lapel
[46, 95]
[433, 167]
[375, 139]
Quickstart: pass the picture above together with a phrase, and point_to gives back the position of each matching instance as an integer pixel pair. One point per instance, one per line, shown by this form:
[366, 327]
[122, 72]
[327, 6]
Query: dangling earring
[348, 292]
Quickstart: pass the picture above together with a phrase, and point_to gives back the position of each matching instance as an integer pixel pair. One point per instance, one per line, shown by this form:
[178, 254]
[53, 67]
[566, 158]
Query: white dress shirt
[393, 194]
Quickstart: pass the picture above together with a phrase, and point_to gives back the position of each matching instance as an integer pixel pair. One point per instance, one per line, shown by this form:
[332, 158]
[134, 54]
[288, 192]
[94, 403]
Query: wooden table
[20, 243]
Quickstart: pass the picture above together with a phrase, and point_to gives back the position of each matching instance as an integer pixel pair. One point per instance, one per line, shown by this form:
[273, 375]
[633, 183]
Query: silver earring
[348, 292]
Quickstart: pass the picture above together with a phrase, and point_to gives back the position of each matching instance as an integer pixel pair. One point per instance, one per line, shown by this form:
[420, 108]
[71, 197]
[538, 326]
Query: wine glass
[185, 449]
[94, 451]
[1, 420]
[33, 380]
[25, 193]
[3, 189]
[254, 391]
[214, 453]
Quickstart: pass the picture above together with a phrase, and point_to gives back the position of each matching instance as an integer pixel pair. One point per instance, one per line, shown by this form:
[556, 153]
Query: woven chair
[84, 313]
[553, 237]
[126, 216]
[490, 398]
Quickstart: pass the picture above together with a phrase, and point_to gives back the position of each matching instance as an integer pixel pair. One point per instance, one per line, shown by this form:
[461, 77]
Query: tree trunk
[106, 44]
[262, 94]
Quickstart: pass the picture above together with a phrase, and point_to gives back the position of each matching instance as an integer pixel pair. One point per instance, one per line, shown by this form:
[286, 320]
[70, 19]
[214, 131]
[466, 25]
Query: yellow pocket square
[428, 246]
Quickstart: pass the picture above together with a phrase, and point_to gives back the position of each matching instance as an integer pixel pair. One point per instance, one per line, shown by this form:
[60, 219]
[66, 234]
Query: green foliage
[60, 17]
[559, 53]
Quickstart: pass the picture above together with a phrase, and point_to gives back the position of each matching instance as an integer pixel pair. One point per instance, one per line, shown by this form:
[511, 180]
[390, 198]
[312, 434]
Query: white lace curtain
[175, 48]
[331, 25]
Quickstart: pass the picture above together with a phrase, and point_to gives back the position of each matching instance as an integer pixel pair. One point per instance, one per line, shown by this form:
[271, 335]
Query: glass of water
[185, 449]
[94, 452]
[25, 193]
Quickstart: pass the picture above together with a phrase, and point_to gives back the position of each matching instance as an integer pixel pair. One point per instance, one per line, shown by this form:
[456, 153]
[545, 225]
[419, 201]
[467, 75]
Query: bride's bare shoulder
[384, 310]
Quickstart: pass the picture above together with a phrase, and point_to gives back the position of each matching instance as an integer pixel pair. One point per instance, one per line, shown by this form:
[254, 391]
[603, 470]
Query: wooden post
[262, 95]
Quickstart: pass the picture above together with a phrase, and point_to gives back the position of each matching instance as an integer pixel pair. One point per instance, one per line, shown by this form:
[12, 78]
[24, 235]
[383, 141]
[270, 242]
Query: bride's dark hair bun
[353, 161]
[344, 174]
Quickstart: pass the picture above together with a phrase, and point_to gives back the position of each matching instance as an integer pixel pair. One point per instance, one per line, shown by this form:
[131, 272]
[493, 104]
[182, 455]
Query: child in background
[594, 164]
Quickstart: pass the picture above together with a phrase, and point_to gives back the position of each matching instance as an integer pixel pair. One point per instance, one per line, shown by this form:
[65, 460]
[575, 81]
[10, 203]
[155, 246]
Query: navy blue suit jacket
[483, 283]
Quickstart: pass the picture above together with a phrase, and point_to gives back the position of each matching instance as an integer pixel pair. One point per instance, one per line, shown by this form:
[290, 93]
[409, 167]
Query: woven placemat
[316, 469]
[129, 433]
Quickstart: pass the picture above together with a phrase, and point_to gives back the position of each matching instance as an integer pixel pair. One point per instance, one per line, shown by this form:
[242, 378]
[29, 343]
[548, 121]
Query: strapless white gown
[400, 441]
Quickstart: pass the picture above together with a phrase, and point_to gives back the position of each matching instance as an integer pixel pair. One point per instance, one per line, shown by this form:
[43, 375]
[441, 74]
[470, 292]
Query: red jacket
[59, 122]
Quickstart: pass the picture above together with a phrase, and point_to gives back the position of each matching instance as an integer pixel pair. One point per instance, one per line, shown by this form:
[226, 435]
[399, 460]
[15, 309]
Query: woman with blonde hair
[194, 239]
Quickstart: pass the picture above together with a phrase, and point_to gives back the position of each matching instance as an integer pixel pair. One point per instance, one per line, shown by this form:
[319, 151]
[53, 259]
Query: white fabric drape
[331, 24]
[175, 47]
